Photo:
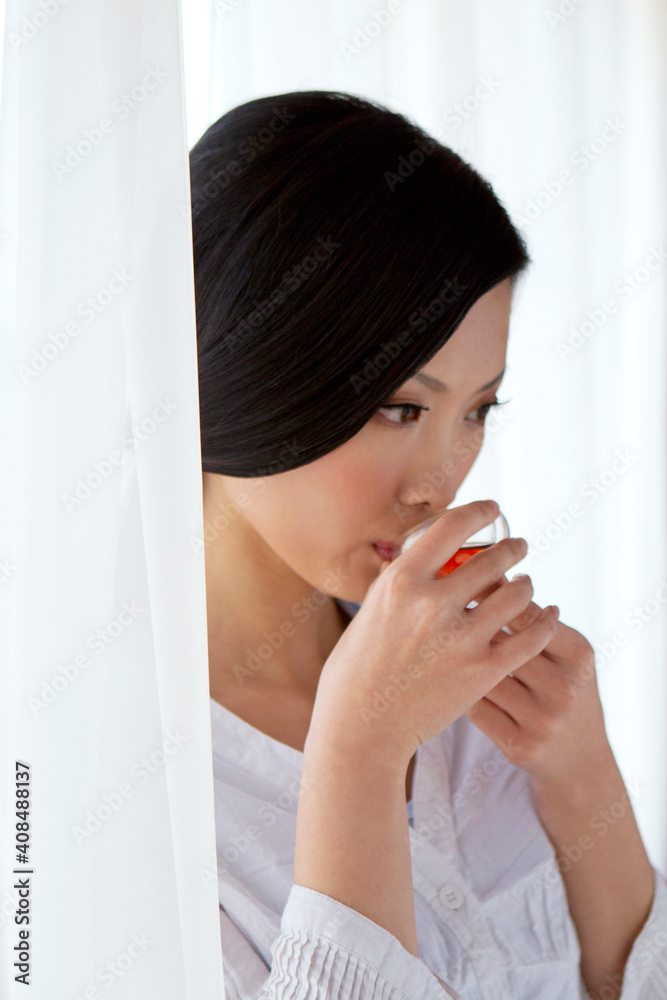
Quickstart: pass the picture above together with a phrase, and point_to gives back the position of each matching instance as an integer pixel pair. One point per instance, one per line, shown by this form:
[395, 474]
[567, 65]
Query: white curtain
[104, 687]
[104, 709]
[561, 104]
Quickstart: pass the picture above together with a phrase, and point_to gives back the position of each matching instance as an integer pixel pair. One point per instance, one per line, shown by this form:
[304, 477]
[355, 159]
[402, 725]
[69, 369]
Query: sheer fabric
[104, 686]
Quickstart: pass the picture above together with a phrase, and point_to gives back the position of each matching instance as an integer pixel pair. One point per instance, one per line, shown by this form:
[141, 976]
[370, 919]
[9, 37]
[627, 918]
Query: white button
[451, 897]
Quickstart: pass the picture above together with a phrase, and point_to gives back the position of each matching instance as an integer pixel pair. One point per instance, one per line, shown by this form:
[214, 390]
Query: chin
[355, 590]
[353, 584]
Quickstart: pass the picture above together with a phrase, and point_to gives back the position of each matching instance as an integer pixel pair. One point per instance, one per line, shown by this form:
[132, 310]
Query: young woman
[415, 797]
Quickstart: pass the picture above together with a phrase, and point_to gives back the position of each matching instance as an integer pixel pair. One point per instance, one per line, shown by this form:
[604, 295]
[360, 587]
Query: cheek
[355, 490]
[356, 481]
[467, 449]
[316, 517]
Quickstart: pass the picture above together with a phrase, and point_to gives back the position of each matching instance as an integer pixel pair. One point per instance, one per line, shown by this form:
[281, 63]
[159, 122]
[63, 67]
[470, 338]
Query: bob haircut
[337, 247]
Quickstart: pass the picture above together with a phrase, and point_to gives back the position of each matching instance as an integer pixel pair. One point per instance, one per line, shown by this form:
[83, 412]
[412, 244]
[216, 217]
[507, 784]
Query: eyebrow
[437, 386]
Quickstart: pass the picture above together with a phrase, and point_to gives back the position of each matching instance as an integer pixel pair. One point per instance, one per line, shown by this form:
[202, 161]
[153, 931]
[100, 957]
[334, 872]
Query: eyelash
[415, 407]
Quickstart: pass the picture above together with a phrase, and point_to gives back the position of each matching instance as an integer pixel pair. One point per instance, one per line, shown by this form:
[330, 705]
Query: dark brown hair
[337, 247]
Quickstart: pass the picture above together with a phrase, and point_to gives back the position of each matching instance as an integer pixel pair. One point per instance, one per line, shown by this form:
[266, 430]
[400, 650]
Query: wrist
[335, 740]
[580, 788]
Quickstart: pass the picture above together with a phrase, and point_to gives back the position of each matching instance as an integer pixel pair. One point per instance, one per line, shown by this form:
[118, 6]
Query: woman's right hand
[415, 657]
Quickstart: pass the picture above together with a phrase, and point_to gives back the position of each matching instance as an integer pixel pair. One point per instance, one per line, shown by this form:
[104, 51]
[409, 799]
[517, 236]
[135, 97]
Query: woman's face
[320, 520]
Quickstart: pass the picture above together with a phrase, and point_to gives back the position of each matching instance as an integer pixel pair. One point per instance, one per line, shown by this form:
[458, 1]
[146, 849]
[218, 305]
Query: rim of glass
[423, 525]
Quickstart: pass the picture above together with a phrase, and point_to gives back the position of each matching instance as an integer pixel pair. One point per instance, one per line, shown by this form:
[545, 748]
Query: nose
[439, 465]
[430, 491]
[412, 515]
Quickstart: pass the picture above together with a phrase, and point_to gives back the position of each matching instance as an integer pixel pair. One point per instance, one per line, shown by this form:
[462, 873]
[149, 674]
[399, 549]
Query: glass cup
[482, 539]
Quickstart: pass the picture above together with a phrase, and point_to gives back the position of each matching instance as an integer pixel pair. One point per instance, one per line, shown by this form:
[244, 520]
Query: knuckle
[533, 615]
[535, 750]
[511, 550]
[485, 506]
[497, 656]
[397, 580]
[500, 555]
[584, 653]
[524, 585]
[550, 724]
[566, 693]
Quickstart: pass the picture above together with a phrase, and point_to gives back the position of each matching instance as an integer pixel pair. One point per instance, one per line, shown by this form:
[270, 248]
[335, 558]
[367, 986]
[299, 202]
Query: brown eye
[485, 409]
[411, 408]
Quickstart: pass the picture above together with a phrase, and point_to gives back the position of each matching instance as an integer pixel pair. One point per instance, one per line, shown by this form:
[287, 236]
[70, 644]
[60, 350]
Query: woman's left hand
[546, 716]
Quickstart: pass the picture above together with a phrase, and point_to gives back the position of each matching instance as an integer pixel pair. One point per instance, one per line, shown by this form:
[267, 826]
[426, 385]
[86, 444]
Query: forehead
[475, 353]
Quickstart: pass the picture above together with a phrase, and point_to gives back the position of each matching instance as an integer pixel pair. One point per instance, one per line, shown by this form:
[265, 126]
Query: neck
[268, 629]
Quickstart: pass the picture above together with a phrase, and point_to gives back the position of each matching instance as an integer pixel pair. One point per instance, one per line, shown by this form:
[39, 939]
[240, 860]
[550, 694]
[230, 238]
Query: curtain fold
[104, 706]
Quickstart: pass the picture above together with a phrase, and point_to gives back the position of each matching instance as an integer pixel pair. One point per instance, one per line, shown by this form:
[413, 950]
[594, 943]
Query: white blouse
[491, 910]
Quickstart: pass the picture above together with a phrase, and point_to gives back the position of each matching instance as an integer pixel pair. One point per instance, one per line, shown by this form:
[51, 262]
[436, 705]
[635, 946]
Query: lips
[387, 550]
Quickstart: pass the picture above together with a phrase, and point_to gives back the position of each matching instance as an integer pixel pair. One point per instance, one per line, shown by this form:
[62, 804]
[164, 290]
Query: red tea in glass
[482, 539]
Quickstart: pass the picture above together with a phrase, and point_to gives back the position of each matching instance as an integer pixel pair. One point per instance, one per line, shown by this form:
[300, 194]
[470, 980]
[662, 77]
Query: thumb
[383, 566]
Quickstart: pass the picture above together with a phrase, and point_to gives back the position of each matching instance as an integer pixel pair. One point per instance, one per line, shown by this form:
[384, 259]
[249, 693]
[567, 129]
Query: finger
[446, 536]
[490, 589]
[566, 641]
[383, 566]
[542, 677]
[483, 573]
[496, 724]
[505, 603]
[515, 650]
[514, 698]
[535, 674]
